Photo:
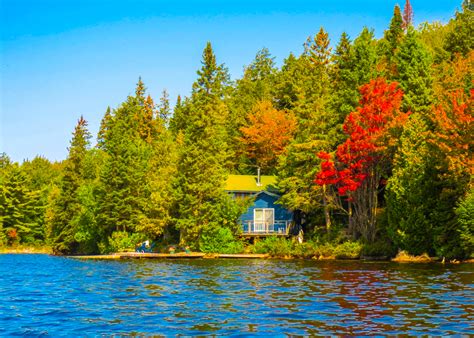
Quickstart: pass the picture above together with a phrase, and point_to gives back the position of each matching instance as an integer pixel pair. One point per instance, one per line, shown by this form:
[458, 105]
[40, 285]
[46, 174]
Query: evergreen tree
[308, 79]
[414, 74]
[123, 189]
[201, 171]
[164, 110]
[413, 190]
[461, 38]
[67, 206]
[390, 44]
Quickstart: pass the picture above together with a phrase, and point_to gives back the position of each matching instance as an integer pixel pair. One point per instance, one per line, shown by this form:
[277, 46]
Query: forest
[371, 140]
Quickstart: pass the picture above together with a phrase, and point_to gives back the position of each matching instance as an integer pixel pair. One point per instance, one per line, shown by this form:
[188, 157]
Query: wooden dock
[180, 255]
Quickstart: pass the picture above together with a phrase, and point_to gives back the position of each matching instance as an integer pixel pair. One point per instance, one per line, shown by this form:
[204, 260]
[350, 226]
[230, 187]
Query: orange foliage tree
[267, 134]
[454, 132]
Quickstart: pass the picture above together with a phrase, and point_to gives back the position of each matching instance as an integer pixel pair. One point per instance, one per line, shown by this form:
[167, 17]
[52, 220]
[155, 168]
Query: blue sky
[61, 59]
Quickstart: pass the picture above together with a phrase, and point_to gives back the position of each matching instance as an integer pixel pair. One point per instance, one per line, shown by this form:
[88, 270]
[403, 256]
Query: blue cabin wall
[264, 200]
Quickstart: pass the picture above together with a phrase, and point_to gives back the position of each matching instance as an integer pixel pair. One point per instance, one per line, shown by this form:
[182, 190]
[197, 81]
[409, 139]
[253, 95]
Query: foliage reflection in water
[61, 296]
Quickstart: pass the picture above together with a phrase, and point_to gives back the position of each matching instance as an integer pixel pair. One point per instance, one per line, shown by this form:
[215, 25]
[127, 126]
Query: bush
[465, 221]
[219, 240]
[379, 249]
[122, 241]
[303, 250]
[348, 250]
[274, 246]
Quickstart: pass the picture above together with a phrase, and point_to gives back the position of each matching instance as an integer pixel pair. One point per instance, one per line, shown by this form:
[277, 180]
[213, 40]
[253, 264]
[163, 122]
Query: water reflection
[60, 296]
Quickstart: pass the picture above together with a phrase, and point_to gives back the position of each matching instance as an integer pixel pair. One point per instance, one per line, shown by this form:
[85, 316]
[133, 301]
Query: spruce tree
[123, 188]
[201, 167]
[308, 81]
[461, 37]
[414, 74]
[390, 43]
[67, 207]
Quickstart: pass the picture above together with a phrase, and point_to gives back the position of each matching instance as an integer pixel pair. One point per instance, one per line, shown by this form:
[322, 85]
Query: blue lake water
[44, 295]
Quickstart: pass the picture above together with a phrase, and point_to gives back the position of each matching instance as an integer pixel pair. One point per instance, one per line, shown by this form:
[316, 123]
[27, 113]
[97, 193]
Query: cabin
[264, 217]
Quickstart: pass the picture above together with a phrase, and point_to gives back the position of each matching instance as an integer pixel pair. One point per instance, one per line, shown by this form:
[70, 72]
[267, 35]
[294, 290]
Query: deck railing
[278, 227]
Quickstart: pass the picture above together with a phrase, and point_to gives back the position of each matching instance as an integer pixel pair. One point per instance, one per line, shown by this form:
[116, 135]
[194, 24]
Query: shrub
[303, 250]
[379, 249]
[219, 240]
[274, 246]
[465, 220]
[348, 250]
[122, 241]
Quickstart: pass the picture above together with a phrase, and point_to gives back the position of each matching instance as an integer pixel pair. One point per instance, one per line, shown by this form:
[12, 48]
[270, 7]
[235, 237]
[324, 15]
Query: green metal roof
[249, 183]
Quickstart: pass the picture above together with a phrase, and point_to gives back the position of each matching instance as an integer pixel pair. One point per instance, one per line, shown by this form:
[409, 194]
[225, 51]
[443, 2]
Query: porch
[256, 228]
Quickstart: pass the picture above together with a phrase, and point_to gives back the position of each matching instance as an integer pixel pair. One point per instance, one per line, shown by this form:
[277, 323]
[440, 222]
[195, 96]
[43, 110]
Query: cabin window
[264, 219]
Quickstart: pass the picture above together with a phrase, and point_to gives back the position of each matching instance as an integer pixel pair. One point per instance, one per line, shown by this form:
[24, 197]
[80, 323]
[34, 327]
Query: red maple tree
[362, 160]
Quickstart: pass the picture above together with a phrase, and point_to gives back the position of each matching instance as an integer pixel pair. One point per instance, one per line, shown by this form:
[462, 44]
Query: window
[263, 219]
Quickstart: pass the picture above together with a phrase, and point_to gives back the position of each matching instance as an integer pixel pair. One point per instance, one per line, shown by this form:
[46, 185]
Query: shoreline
[401, 258]
[26, 250]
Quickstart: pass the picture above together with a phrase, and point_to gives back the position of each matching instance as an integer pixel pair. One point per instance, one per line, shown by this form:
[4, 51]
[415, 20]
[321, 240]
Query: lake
[45, 295]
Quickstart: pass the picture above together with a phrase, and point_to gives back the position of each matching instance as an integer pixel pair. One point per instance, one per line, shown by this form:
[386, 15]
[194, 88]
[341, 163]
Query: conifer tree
[67, 207]
[309, 81]
[201, 171]
[461, 37]
[390, 44]
[164, 110]
[414, 74]
[123, 187]
[105, 125]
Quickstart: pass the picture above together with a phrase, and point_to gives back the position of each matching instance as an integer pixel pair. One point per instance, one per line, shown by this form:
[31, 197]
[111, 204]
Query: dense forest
[371, 141]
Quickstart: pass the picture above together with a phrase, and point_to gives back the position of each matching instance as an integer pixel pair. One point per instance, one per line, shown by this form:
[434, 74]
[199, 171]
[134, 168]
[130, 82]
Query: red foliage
[370, 134]
[12, 234]
[407, 15]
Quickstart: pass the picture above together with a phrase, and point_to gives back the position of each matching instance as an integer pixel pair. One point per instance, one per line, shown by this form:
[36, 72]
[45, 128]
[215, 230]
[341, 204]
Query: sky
[60, 59]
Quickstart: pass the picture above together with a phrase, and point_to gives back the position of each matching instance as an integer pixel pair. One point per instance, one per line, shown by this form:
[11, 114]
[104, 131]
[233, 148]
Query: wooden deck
[180, 255]
[263, 234]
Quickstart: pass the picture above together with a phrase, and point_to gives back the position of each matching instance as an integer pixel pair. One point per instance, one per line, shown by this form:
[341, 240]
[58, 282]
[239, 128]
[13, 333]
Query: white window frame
[262, 227]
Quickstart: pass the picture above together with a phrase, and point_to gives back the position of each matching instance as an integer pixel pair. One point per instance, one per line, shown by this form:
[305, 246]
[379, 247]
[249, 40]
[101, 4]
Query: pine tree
[390, 44]
[308, 80]
[67, 206]
[105, 125]
[164, 110]
[201, 171]
[461, 37]
[123, 187]
[414, 74]
[413, 190]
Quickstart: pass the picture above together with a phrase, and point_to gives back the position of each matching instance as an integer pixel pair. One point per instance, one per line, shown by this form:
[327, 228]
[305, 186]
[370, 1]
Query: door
[263, 220]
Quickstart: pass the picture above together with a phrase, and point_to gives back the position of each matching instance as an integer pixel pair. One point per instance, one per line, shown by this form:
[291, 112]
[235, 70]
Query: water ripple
[42, 295]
